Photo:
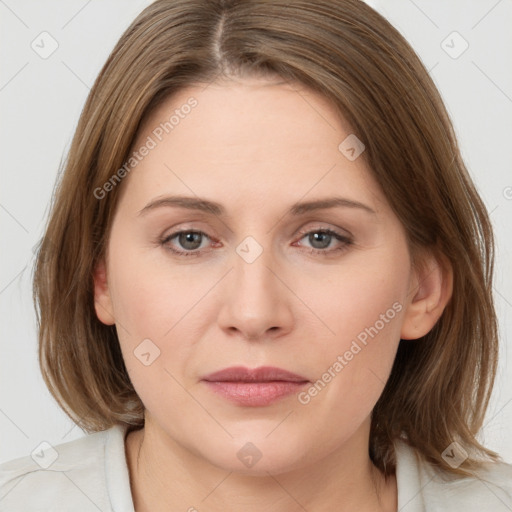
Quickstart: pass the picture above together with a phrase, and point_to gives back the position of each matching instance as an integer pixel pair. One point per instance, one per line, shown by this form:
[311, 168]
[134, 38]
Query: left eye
[321, 239]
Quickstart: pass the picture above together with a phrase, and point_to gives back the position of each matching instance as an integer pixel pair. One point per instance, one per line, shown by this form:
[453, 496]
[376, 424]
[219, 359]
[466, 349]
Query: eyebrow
[212, 207]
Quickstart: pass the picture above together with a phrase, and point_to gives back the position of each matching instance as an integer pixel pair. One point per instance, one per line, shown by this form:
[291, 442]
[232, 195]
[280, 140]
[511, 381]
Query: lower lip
[255, 393]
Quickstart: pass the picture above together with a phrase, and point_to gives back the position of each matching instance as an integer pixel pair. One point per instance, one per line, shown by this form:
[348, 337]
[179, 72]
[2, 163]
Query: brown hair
[440, 385]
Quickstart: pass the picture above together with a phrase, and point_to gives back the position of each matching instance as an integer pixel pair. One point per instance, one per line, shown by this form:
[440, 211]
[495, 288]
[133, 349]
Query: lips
[261, 374]
[257, 387]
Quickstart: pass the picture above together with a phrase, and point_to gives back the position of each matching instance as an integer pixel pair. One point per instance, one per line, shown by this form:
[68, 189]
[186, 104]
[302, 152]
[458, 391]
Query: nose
[256, 300]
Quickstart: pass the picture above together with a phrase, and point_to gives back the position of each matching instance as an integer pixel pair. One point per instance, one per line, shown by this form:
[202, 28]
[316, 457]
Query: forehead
[244, 138]
[249, 113]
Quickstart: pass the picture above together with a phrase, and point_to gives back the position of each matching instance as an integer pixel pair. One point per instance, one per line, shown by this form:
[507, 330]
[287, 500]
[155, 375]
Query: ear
[431, 289]
[102, 299]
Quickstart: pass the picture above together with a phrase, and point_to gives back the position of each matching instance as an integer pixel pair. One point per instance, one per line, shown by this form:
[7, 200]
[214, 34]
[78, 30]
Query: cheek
[363, 309]
[161, 302]
[367, 290]
[150, 295]
[151, 314]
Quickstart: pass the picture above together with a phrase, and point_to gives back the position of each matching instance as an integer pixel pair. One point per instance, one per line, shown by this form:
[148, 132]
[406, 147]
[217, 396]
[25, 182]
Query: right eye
[189, 240]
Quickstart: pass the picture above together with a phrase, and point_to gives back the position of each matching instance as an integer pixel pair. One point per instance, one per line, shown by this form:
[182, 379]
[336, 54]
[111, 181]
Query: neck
[165, 475]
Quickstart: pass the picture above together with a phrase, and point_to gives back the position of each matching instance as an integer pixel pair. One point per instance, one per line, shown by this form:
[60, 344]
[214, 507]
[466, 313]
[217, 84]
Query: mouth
[254, 387]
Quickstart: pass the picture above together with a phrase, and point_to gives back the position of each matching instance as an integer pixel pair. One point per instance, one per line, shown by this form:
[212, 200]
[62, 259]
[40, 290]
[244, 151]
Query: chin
[258, 458]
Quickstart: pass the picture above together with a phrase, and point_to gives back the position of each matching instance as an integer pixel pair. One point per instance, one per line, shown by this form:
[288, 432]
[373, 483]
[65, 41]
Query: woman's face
[259, 280]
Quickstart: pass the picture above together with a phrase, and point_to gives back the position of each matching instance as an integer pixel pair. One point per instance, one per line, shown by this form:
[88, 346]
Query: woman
[266, 278]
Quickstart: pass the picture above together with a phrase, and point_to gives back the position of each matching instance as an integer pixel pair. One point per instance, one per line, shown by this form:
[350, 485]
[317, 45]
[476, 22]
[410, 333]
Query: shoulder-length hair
[440, 385]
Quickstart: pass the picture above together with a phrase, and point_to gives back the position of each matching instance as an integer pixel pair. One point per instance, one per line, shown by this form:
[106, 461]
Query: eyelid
[321, 226]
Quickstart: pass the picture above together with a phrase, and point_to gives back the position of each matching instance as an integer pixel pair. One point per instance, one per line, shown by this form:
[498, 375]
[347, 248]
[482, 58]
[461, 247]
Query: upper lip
[261, 374]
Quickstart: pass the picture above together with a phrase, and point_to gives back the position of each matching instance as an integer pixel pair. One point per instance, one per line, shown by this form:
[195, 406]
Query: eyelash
[347, 242]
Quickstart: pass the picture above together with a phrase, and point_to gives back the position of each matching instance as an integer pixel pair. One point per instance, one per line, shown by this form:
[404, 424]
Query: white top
[91, 474]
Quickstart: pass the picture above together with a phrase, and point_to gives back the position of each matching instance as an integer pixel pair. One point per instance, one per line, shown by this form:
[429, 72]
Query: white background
[41, 99]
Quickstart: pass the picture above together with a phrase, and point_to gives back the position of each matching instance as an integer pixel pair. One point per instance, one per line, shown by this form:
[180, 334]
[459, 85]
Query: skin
[257, 147]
